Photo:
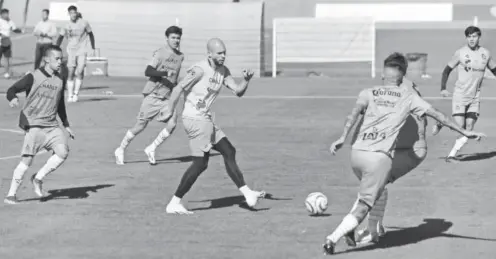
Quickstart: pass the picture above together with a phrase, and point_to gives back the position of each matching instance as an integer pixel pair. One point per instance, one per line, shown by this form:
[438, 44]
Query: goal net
[316, 45]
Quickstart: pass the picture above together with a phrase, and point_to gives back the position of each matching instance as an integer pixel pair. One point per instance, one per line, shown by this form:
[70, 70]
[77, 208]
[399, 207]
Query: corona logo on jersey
[383, 92]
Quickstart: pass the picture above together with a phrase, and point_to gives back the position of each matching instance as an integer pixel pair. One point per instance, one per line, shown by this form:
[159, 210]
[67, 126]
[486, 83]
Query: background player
[201, 86]
[6, 27]
[45, 32]
[385, 109]
[78, 32]
[162, 73]
[45, 99]
[472, 61]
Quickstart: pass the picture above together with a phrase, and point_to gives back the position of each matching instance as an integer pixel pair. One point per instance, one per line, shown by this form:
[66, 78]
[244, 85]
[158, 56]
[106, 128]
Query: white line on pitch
[18, 156]
[13, 131]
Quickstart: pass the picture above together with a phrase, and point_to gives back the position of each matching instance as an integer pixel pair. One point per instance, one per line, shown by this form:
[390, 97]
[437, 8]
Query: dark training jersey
[44, 99]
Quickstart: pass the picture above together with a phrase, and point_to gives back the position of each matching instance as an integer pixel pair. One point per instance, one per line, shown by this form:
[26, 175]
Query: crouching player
[385, 108]
[45, 99]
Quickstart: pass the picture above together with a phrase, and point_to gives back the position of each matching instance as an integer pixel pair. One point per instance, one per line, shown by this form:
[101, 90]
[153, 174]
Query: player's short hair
[46, 11]
[72, 8]
[398, 61]
[80, 15]
[471, 30]
[49, 50]
[4, 10]
[173, 30]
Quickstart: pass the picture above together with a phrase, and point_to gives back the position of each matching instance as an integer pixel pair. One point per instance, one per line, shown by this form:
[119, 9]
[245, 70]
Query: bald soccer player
[45, 99]
[472, 61]
[385, 109]
[79, 34]
[162, 72]
[201, 86]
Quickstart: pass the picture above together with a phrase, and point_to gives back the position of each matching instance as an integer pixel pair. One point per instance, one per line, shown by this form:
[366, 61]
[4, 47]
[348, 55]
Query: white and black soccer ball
[316, 203]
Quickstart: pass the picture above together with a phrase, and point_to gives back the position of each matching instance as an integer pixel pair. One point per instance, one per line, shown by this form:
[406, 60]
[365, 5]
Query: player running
[386, 109]
[201, 86]
[78, 32]
[472, 61]
[45, 99]
[411, 142]
[162, 73]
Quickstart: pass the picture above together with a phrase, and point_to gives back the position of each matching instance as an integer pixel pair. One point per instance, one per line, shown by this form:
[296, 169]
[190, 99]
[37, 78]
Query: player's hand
[71, 134]
[248, 74]
[338, 144]
[474, 135]
[445, 93]
[14, 103]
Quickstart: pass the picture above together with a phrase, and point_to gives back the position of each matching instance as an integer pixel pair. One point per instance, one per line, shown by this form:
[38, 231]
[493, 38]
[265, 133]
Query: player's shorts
[462, 108]
[202, 134]
[373, 170]
[75, 59]
[37, 139]
[406, 159]
[6, 51]
[153, 107]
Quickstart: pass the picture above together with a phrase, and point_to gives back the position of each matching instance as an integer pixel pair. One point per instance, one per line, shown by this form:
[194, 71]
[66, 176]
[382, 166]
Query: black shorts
[6, 51]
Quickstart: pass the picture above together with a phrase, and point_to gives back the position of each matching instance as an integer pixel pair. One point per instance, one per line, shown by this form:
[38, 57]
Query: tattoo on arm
[352, 119]
[445, 120]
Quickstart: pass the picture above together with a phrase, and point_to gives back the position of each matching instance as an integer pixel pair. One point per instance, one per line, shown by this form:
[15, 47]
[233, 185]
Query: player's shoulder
[195, 71]
[485, 51]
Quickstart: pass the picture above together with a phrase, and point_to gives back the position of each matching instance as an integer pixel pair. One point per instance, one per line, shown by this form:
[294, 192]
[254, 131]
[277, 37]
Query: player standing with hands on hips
[201, 86]
[385, 110]
[45, 99]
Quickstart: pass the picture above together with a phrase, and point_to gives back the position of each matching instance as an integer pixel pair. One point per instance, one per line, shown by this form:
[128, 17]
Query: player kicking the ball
[201, 86]
[162, 73]
[472, 61]
[45, 99]
[385, 109]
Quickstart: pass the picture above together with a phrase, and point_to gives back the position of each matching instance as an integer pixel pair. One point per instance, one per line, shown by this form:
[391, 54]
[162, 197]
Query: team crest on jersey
[484, 57]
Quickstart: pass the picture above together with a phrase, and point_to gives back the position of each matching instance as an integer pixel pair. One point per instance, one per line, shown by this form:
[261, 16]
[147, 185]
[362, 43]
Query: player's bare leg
[55, 161]
[79, 76]
[17, 178]
[70, 84]
[162, 136]
[198, 166]
[228, 152]
[465, 123]
[130, 135]
[7, 68]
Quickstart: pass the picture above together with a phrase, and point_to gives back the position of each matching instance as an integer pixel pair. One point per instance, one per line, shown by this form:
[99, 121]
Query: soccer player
[385, 110]
[78, 32]
[411, 142]
[45, 99]
[45, 32]
[472, 61]
[6, 27]
[201, 86]
[162, 73]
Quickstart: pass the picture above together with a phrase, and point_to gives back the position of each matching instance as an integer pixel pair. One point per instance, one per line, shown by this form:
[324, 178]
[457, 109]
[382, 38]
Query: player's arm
[192, 77]
[62, 34]
[455, 60]
[360, 107]
[238, 89]
[37, 30]
[22, 85]
[14, 28]
[52, 33]
[90, 34]
[491, 65]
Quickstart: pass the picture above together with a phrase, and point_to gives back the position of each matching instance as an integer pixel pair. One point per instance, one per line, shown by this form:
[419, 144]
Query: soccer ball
[316, 203]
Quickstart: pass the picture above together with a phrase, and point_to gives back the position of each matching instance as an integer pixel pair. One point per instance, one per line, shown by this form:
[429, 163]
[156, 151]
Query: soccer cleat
[70, 99]
[6, 76]
[38, 186]
[10, 200]
[177, 208]
[253, 197]
[75, 98]
[451, 159]
[329, 247]
[436, 129]
[150, 153]
[119, 156]
[380, 230]
[350, 239]
[365, 237]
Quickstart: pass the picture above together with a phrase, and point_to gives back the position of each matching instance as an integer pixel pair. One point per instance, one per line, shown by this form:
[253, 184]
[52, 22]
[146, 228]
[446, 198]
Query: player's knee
[171, 126]
[361, 210]
[27, 160]
[61, 151]
[139, 127]
[201, 163]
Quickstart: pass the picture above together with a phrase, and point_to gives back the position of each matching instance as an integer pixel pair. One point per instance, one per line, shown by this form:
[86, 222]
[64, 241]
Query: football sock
[70, 88]
[348, 224]
[376, 214]
[127, 139]
[459, 143]
[192, 173]
[77, 85]
[51, 165]
[17, 177]
[162, 136]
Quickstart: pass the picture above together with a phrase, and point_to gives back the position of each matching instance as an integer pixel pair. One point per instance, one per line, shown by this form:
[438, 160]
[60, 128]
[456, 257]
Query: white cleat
[364, 236]
[177, 208]
[119, 156]
[75, 98]
[253, 197]
[150, 153]
[70, 99]
[436, 129]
